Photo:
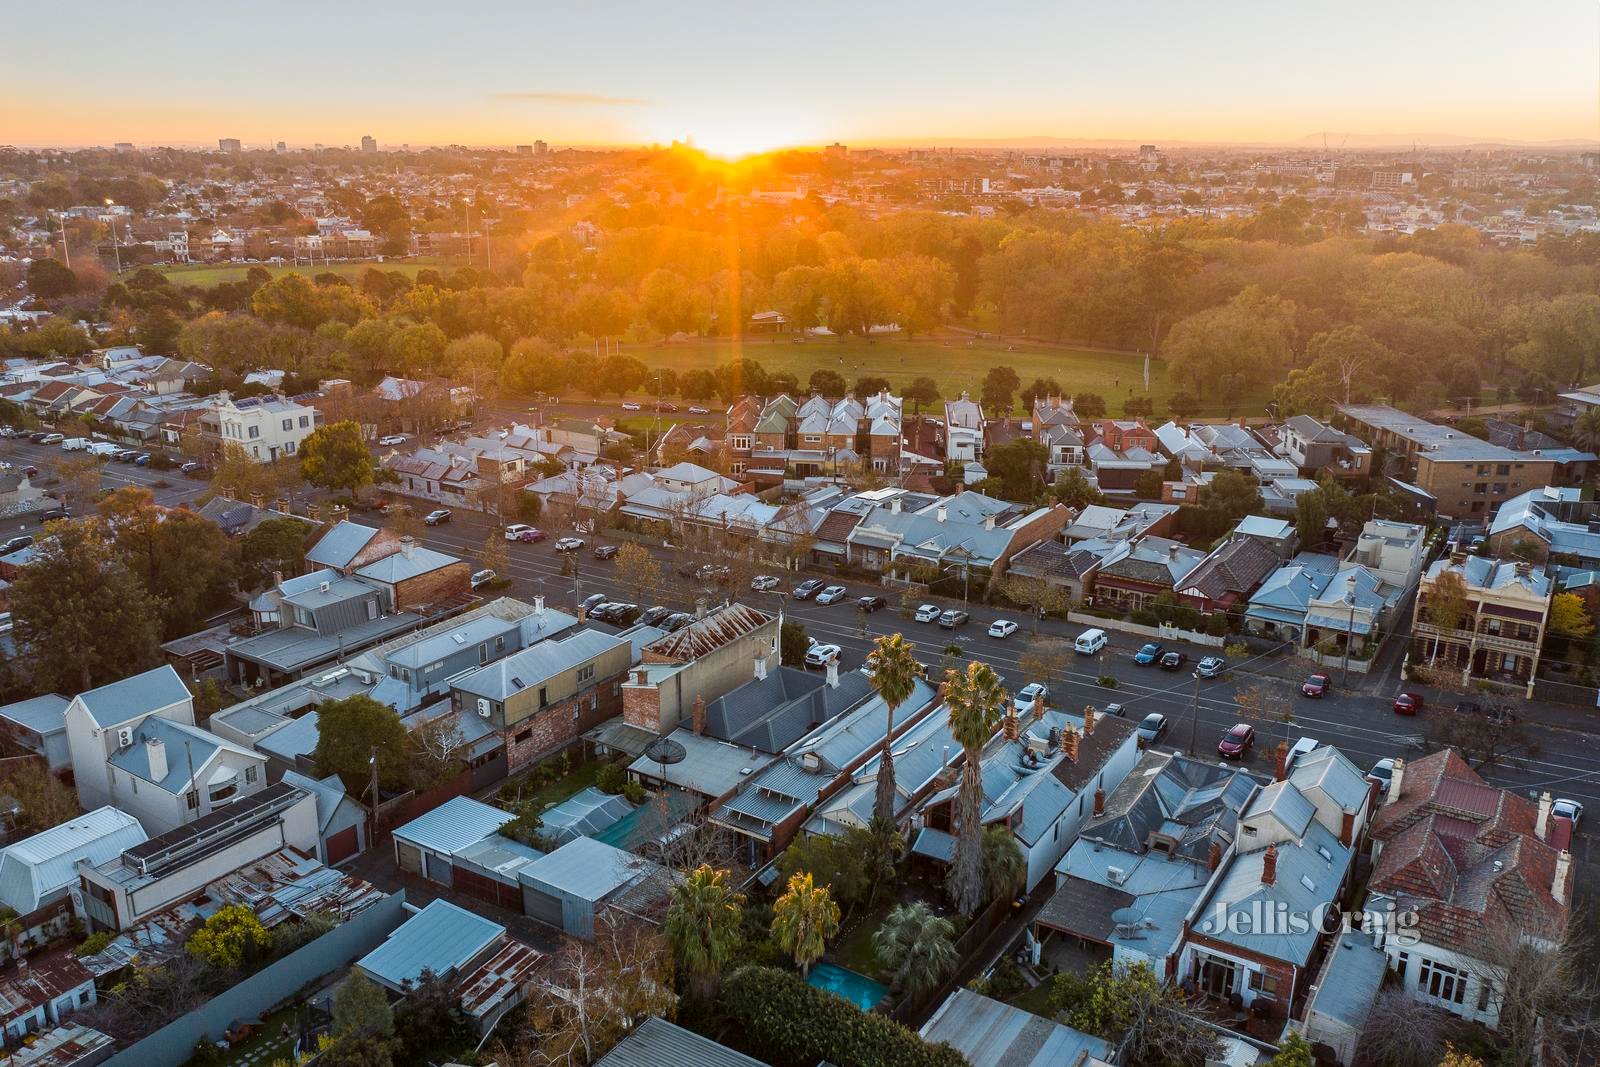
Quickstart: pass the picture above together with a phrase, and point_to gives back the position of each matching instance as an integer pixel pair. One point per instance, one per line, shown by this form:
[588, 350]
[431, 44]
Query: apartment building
[267, 427]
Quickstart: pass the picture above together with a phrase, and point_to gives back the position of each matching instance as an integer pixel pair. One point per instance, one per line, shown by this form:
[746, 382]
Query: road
[1355, 716]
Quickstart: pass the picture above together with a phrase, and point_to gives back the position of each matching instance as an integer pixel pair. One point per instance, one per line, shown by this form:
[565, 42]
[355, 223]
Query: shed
[988, 1033]
[341, 820]
[429, 844]
[442, 938]
[656, 1043]
[1342, 996]
[585, 814]
[568, 886]
[39, 725]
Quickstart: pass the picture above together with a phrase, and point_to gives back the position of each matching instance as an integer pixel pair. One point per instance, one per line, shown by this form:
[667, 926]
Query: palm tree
[1586, 430]
[894, 676]
[917, 945]
[975, 698]
[803, 920]
[703, 925]
[1004, 869]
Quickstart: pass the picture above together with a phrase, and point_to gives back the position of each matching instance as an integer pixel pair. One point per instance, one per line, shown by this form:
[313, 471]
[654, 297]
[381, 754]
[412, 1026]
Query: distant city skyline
[735, 78]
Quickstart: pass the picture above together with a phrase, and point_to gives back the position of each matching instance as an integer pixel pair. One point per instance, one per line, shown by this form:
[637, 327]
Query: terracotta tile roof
[837, 526]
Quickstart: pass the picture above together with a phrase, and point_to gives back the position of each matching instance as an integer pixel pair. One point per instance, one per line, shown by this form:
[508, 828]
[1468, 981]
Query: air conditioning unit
[1116, 875]
[483, 707]
[124, 736]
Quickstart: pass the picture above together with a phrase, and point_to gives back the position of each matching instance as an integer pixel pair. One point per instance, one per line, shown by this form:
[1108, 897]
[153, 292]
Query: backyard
[542, 790]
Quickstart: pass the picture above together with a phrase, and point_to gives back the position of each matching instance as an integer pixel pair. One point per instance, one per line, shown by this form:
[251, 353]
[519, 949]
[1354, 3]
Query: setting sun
[734, 132]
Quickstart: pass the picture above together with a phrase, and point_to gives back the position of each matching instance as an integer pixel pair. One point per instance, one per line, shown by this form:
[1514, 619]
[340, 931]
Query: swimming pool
[858, 989]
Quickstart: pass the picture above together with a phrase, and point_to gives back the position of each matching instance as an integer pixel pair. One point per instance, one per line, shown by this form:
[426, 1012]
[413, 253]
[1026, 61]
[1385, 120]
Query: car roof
[1240, 727]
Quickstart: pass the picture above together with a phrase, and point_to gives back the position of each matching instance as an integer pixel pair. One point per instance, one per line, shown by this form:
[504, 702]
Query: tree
[793, 644]
[917, 946]
[1486, 739]
[1233, 495]
[895, 671]
[1226, 348]
[82, 618]
[349, 730]
[238, 477]
[924, 392]
[1183, 405]
[1005, 870]
[999, 386]
[430, 1024]
[591, 993]
[1132, 1007]
[1018, 468]
[1344, 366]
[828, 383]
[1072, 488]
[1404, 1031]
[1042, 661]
[276, 546]
[45, 800]
[703, 925]
[1089, 405]
[336, 457]
[1444, 606]
[358, 1052]
[50, 279]
[975, 698]
[832, 863]
[1586, 430]
[1311, 519]
[185, 561]
[638, 572]
[232, 939]
[494, 555]
[1039, 389]
[803, 920]
[1295, 1051]
[80, 480]
[1568, 617]
[361, 1009]
[1562, 338]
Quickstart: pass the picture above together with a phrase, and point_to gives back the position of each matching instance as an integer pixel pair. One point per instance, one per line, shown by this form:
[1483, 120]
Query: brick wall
[442, 584]
[1044, 527]
[641, 707]
[384, 543]
[562, 723]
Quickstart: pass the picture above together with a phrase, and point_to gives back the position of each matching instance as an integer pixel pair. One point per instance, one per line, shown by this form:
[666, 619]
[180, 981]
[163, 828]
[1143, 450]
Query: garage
[429, 844]
[408, 856]
[343, 845]
[541, 906]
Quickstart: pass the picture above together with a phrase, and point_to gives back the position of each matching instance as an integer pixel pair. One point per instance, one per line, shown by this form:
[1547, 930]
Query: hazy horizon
[621, 74]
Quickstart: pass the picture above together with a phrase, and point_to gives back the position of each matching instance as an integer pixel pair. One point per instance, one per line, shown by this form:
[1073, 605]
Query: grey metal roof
[774, 712]
[336, 591]
[534, 664]
[710, 767]
[1350, 981]
[427, 649]
[35, 868]
[186, 747]
[341, 544]
[441, 938]
[1309, 874]
[658, 1043]
[329, 792]
[132, 697]
[584, 869]
[988, 1033]
[296, 647]
[1195, 801]
[453, 825]
[1327, 770]
[584, 814]
[1283, 802]
[45, 714]
[298, 737]
[396, 568]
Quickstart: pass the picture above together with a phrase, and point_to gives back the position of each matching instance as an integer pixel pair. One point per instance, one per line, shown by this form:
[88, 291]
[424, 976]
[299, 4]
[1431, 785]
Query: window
[288, 447]
[372, 608]
[255, 431]
[305, 421]
[543, 702]
[523, 735]
[1502, 468]
[586, 673]
[288, 424]
[483, 653]
[193, 797]
[1441, 982]
[217, 796]
[1402, 961]
[1263, 982]
[250, 775]
[500, 644]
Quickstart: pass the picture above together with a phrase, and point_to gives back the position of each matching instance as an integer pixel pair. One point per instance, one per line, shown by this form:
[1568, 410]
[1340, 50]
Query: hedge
[779, 1018]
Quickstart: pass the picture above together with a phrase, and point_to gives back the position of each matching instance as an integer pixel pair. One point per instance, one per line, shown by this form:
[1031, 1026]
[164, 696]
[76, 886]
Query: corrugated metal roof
[403, 565]
[34, 868]
[584, 869]
[453, 825]
[584, 814]
[988, 1033]
[132, 697]
[441, 938]
[45, 714]
[658, 1043]
[535, 664]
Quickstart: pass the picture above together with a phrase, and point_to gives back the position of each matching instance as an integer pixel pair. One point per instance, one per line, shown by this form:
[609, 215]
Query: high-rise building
[835, 151]
[524, 149]
[280, 148]
[369, 144]
[124, 146]
[229, 144]
[540, 148]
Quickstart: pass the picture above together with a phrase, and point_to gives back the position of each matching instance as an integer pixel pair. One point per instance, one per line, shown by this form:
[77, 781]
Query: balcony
[1477, 640]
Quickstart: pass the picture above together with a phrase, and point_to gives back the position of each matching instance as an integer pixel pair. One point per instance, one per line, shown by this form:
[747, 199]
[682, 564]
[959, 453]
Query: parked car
[695, 410]
[870, 603]
[1382, 774]
[194, 466]
[75, 444]
[1237, 742]
[522, 532]
[1148, 653]
[1002, 628]
[714, 572]
[953, 618]
[832, 594]
[31, 471]
[631, 406]
[676, 621]
[1316, 686]
[763, 583]
[819, 655]
[1152, 729]
[1211, 666]
[38, 436]
[53, 439]
[142, 459]
[436, 517]
[569, 544]
[927, 613]
[1570, 810]
[666, 405]
[809, 588]
[605, 552]
[483, 577]
[653, 616]
[619, 614]
[1408, 703]
[1029, 694]
[1174, 660]
[392, 439]
[14, 544]
[1118, 710]
[592, 601]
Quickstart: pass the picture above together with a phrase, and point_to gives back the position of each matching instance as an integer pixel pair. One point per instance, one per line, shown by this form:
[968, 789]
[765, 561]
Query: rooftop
[453, 825]
[988, 1033]
[441, 938]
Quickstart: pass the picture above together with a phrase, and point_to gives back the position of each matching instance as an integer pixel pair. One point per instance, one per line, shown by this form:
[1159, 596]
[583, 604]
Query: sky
[755, 75]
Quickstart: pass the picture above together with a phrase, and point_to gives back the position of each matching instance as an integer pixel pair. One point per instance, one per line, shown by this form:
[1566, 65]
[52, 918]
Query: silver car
[831, 595]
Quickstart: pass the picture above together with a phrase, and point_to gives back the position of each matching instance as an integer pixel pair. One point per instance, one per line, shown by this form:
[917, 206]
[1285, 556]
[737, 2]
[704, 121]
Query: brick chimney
[281, 505]
[1269, 866]
[1396, 777]
[314, 511]
[1214, 859]
[1558, 885]
[277, 579]
[1099, 802]
[1347, 828]
[1038, 710]
[1011, 725]
[699, 719]
[1283, 762]
[1089, 717]
[256, 500]
[1543, 824]
[1069, 744]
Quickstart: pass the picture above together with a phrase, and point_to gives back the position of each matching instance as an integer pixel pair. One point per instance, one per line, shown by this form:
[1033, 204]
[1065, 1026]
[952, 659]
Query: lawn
[854, 950]
[955, 363]
[266, 1044]
[206, 275]
[1036, 1000]
[579, 778]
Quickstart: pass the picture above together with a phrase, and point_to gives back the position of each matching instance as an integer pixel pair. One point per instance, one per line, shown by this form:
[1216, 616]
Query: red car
[1408, 703]
[1237, 741]
[1315, 686]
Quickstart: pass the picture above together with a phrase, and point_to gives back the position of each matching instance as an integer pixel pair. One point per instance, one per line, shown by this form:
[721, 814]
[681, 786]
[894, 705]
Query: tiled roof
[1239, 566]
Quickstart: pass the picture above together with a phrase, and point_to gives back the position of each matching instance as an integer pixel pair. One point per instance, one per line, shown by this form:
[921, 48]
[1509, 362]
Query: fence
[911, 1010]
[1584, 696]
[1163, 632]
[267, 988]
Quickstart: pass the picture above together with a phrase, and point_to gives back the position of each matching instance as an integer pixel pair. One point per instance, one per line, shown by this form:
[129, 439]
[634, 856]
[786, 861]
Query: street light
[1194, 711]
[1349, 633]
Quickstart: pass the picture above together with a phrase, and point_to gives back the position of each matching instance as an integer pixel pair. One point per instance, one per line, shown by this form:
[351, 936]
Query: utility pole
[1194, 710]
[1349, 635]
[372, 760]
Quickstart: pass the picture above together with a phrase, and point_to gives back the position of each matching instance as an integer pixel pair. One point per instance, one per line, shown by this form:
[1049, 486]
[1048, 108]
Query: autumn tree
[1043, 661]
[232, 939]
[1222, 351]
[495, 556]
[591, 993]
[1444, 607]
[336, 457]
[45, 800]
[638, 572]
[1568, 616]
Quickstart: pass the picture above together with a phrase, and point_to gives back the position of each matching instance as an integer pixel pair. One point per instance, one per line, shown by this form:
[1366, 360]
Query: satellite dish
[665, 750]
[1126, 916]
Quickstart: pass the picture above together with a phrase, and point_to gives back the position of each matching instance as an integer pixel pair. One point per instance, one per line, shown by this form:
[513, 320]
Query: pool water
[858, 989]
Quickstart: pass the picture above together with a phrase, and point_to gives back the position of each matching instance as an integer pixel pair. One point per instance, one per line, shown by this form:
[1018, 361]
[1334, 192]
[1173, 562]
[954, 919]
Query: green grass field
[955, 363]
[207, 275]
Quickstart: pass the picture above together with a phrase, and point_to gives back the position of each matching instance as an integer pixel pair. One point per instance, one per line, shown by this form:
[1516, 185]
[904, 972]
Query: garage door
[541, 906]
[342, 845]
[410, 857]
[438, 869]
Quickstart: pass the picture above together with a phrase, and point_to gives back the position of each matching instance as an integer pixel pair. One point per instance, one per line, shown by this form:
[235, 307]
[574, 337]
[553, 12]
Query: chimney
[228, 492]
[699, 608]
[941, 514]
[337, 513]
[538, 605]
[988, 522]
[833, 673]
[314, 511]
[1038, 710]
[1283, 762]
[1269, 865]
[408, 545]
[1011, 725]
[1069, 744]
[1214, 859]
[256, 500]
[281, 505]
[700, 714]
[1543, 824]
[894, 506]
[277, 579]
[1088, 719]
[156, 753]
[761, 664]
[1396, 776]
[1099, 802]
[1347, 828]
[1558, 885]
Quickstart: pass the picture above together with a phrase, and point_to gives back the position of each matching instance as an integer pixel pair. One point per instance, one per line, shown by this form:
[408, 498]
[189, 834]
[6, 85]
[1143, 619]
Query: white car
[927, 613]
[393, 439]
[1029, 694]
[831, 595]
[569, 544]
[1002, 628]
[819, 655]
[1568, 809]
[483, 577]
[698, 411]
[763, 583]
[630, 406]
[517, 531]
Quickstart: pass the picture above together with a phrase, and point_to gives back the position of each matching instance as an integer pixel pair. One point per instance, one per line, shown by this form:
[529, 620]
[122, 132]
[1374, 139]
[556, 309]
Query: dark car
[871, 603]
[593, 600]
[676, 621]
[605, 552]
[14, 544]
[689, 569]
[1174, 660]
[1148, 654]
[809, 588]
[623, 614]
[436, 517]
[142, 459]
[1237, 742]
[666, 405]
[38, 435]
[1408, 703]
[653, 616]
[31, 471]
[1152, 729]
[1315, 686]
[715, 572]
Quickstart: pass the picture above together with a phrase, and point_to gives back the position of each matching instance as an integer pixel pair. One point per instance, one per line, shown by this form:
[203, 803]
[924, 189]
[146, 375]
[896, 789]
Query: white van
[75, 444]
[1089, 642]
[104, 448]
